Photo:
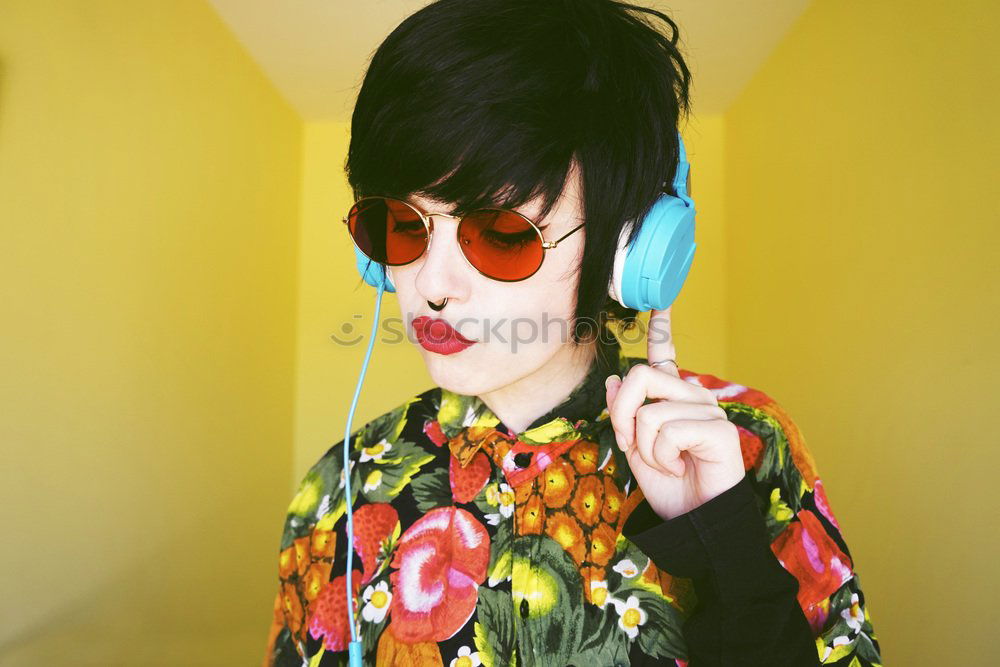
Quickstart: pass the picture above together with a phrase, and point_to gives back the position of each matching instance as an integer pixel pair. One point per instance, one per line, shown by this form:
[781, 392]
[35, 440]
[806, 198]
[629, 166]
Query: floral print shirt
[475, 546]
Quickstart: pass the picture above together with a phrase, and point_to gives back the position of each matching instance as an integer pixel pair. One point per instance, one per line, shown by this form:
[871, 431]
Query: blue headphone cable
[354, 648]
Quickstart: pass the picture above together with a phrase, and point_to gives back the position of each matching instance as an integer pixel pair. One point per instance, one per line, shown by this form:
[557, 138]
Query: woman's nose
[443, 264]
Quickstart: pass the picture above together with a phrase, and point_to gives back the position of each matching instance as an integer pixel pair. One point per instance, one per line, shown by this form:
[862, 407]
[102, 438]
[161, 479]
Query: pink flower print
[329, 613]
[441, 560]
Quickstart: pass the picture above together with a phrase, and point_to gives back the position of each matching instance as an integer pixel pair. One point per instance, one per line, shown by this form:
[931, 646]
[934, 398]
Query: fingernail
[608, 381]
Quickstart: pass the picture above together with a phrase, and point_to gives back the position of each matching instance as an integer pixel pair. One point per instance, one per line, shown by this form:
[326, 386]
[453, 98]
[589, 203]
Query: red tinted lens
[387, 230]
[501, 244]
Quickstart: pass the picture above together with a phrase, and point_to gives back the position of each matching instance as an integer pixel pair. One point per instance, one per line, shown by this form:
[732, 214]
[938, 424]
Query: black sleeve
[747, 611]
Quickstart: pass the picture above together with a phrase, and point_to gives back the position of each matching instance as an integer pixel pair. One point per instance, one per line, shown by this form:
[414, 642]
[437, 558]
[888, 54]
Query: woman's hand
[681, 447]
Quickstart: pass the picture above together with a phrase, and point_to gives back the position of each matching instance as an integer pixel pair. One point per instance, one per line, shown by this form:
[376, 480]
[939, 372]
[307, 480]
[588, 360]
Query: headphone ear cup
[373, 272]
[650, 273]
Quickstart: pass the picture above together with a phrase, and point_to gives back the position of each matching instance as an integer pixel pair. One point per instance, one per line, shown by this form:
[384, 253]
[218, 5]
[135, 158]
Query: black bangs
[461, 105]
[481, 103]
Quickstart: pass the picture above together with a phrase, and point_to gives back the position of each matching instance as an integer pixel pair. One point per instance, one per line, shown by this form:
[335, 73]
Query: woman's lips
[436, 335]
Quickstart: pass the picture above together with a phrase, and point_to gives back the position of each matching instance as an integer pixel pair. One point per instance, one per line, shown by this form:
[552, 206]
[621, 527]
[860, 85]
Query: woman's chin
[459, 373]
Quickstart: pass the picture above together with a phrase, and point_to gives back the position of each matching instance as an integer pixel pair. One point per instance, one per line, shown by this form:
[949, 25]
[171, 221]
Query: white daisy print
[626, 568]
[501, 497]
[506, 500]
[853, 614]
[377, 599]
[599, 593]
[376, 451]
[630, 615]
[466, 658]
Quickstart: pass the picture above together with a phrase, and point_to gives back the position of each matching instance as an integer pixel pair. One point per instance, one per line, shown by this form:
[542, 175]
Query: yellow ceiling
[316, 51]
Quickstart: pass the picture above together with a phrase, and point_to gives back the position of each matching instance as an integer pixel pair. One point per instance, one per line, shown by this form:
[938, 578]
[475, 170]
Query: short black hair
[487, 103]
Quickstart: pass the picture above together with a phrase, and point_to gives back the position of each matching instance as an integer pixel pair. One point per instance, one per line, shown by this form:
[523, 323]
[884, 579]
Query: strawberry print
[374, 523]
[469, 479]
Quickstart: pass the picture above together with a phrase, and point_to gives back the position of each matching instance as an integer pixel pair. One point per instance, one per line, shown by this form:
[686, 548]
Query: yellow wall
[863, 238]
[149, 185]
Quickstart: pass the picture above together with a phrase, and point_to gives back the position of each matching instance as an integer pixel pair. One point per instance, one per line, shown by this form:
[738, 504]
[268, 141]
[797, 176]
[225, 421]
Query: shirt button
[522, 460]
[524, 608]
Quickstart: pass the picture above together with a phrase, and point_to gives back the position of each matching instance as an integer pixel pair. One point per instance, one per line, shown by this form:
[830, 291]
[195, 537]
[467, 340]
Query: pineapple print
[572, 493]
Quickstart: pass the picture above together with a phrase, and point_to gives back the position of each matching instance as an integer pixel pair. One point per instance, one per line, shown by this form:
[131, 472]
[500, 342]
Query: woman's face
[518, 326]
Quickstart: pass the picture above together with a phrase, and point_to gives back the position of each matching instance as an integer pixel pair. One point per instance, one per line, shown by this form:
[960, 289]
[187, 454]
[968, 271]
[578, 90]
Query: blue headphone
[648, 273]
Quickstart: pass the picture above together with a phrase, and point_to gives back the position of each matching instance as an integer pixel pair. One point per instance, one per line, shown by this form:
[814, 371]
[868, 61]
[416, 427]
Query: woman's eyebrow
[423, 209]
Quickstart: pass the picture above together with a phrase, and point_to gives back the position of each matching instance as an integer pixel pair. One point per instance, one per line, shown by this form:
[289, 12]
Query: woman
[551, 501]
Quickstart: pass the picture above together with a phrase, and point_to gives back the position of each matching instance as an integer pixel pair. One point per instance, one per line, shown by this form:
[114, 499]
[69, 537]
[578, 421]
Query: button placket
[519, 473]
[519, 580]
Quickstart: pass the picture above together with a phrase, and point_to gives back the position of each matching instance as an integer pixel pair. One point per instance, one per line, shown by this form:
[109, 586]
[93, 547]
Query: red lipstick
[436, 335]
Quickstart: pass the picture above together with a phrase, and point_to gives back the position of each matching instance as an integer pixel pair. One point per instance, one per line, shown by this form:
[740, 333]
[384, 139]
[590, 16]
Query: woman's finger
[651, 420]
[699, 438]
[642, 382]
[660, 339]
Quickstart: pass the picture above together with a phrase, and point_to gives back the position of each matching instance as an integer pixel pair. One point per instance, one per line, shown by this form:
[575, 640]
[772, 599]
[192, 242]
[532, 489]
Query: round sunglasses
[501, 244]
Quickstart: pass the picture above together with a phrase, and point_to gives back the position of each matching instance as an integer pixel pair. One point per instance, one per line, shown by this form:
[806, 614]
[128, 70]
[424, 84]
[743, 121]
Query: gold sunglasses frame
[428, 226]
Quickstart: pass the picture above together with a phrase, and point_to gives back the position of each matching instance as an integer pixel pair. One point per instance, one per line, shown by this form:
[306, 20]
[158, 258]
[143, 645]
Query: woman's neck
[520, 403]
